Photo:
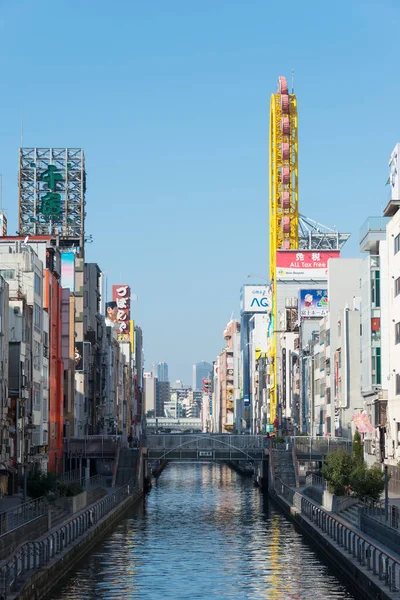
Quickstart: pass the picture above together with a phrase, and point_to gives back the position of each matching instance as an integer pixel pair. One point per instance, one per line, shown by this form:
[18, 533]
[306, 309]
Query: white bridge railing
[167, 443]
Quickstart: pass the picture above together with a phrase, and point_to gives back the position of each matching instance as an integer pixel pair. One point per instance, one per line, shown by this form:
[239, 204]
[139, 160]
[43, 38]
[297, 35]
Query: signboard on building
[68, 270]
[52, 186]
[303, 265]
[313, 303]
[121, 295]
[255, 299]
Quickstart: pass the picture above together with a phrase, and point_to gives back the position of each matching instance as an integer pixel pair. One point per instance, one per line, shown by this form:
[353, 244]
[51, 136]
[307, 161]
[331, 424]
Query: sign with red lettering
[121, 295]
[303, 264]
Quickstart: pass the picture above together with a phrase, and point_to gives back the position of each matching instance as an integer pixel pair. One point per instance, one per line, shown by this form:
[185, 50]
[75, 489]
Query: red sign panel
[307, 264]
[121, 294]
[375, 324]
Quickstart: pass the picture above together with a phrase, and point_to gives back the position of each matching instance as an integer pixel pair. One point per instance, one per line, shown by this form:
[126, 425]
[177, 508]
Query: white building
[390, 267]
[373, 299]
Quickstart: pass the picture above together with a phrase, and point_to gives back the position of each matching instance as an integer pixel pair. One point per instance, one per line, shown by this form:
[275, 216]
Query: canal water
[203, 533]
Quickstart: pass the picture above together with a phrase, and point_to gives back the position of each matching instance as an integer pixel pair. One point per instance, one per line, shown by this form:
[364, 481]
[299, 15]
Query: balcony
[372, 232]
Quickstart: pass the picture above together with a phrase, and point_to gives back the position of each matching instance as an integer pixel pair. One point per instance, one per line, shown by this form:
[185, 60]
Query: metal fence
[22, 514]
[92, 445]
[37, 554]
[319, 445]
[70, 476]
[382, 564]
[316, 481]
[377, 510]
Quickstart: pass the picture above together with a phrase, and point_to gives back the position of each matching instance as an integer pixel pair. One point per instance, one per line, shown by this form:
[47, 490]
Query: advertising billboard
[313, 303]
[121, 310]
[68, 270]
[255, 299]
[79, 356]
[306, 265]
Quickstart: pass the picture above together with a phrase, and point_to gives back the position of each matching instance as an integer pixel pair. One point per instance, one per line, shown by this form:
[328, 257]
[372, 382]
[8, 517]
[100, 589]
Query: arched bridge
[206, 446]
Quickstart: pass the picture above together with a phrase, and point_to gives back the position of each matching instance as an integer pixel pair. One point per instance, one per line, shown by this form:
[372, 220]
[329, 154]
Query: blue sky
[170, 100]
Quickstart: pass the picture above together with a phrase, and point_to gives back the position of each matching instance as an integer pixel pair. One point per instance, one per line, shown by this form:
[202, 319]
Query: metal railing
[96, 445]
[377, 510]
[71, 476]
[382, 564]
[314, 480]
[35, 555]
[319, 445]
[22, 514]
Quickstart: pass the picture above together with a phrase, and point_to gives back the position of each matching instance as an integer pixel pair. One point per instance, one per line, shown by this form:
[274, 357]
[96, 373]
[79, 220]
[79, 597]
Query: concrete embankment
[365, 584]
[243, 469]
[44, 579]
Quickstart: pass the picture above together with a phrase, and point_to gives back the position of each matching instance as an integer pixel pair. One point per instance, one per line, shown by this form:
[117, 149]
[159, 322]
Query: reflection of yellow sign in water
[272, 586]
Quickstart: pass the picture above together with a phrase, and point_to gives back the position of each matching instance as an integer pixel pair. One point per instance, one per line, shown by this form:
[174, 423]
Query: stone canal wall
[372, 574]
[37, 566]
[44, 579]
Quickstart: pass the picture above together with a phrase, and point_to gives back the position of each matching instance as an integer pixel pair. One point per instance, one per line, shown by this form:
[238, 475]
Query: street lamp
[258, 275]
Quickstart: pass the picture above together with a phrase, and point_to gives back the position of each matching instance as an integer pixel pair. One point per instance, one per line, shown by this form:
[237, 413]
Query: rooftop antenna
[292, 81]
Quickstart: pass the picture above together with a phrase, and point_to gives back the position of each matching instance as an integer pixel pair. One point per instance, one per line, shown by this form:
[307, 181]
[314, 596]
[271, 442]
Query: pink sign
[307, 264]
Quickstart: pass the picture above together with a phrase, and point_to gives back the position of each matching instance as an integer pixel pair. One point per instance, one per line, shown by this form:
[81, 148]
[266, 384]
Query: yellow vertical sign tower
[283, 204]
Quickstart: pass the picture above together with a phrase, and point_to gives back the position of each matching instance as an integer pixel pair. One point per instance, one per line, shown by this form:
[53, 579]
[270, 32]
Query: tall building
[373, 388]
[150, 395]
[162, 397]
[160, 370]
[201, 370]
[388, 411]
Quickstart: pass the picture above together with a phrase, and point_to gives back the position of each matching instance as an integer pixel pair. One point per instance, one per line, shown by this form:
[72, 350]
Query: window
[397, 287]
[8, 274]
[376, 366]
[36, 396]
[45, 377]
[375, 289]
[397, 243]
[36, 355]
[328, 337]
[339, 359]
[37, 320]
[328, 425]
[45, 410]
[328, 366]
[328, 395]
[397, 384]
[37, 284]
[321, 361]
[397, 333]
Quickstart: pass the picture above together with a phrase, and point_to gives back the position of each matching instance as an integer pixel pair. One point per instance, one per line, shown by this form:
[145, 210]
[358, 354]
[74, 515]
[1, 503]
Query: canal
[203, 533]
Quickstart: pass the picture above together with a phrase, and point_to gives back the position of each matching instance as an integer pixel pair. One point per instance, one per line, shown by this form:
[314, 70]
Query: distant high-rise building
[201, 370]
[162, 398]
[160, 370]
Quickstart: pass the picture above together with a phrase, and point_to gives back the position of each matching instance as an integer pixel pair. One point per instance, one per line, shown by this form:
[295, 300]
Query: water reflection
[203, 533]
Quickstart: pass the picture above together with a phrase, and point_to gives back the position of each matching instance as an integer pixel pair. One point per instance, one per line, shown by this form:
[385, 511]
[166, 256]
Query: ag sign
[254, 299]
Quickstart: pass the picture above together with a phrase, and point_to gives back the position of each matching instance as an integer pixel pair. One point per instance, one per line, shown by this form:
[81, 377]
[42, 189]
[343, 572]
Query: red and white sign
[305, 265]
[121, 294]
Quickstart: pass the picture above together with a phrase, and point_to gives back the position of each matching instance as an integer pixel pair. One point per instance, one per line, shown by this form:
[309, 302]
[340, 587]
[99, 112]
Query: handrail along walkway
[382, 563]
[36, 554]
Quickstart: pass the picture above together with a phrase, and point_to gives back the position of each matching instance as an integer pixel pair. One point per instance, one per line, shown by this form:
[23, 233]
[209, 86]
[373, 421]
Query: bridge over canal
[206, 446]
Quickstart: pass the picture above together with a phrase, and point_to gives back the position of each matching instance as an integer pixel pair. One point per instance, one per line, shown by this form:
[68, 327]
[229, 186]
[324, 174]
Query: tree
[358, 450]
[343, 470]
[337, 470]
[367, 482]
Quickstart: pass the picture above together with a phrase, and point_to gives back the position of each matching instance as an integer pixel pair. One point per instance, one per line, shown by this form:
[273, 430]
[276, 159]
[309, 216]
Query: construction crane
[283, 202]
